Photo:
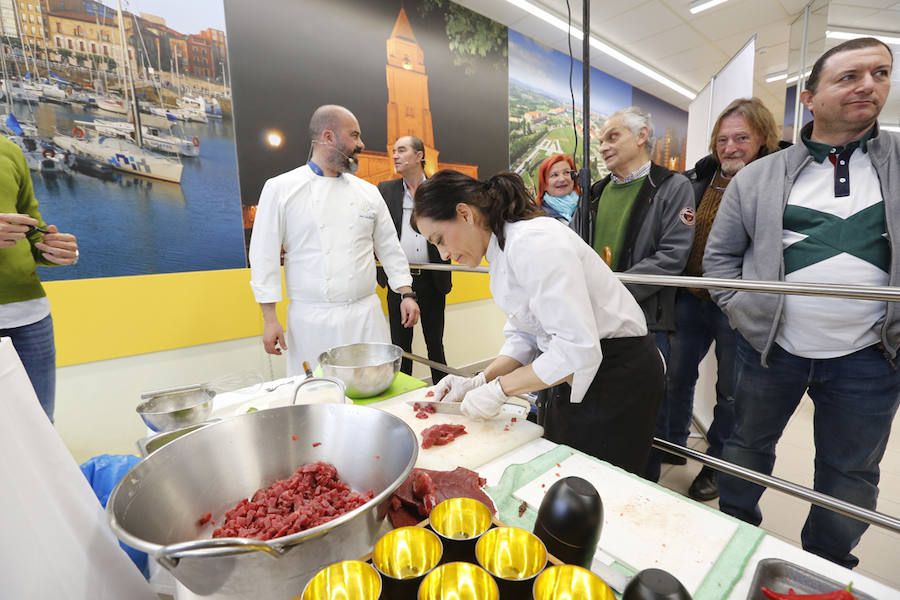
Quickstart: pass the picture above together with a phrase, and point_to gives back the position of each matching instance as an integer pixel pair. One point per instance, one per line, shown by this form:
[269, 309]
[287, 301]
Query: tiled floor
[783, 515]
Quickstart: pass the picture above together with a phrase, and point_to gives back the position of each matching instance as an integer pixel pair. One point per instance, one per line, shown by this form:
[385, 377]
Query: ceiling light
[889, 128]
[794, 78]
[776, 77]
[701, 5]
[603, 47]
[851, 35]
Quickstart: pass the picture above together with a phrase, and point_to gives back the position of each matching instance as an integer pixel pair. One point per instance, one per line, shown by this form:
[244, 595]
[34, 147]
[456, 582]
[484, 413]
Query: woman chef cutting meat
[571, 324]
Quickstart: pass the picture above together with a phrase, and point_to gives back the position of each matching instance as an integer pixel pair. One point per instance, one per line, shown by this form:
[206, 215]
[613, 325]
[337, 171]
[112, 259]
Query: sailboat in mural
[122, 153]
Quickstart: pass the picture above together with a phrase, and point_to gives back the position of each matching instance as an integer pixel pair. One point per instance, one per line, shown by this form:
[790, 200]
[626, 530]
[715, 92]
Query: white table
[769, 547]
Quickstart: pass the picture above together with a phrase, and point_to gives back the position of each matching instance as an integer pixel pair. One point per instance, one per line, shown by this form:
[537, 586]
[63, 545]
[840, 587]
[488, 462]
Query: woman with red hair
[558, 190]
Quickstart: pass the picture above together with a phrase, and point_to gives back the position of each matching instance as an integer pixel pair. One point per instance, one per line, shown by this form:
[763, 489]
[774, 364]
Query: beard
[345, 160]
[730, 166]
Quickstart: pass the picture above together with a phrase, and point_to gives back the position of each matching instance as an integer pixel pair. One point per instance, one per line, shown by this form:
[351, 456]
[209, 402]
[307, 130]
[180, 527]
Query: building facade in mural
[408, 108]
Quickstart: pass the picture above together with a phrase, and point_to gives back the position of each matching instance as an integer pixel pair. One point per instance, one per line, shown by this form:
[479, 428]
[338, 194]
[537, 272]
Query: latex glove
[484, 402]
[452, 388]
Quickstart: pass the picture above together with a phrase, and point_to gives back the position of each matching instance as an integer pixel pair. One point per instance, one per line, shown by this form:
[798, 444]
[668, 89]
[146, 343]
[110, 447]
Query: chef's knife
[452, 408]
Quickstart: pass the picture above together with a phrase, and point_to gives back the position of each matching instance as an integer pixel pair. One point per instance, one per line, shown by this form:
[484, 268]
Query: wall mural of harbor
[153, 194]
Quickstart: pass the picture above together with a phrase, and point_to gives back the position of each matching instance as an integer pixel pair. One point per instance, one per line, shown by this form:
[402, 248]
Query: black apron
[615, 420]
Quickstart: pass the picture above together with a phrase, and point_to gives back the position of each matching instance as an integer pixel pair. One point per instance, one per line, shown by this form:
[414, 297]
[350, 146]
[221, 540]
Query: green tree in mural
[471, 36]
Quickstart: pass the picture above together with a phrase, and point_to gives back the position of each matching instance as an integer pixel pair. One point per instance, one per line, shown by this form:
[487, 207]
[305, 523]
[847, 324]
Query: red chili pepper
[835, 595]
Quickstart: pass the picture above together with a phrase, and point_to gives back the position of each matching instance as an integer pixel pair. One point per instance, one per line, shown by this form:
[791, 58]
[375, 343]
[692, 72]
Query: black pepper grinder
[569, 521]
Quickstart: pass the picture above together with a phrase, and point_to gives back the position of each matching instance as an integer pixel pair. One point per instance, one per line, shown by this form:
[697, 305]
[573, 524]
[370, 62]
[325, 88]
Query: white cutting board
[483, 442]
[636, 516]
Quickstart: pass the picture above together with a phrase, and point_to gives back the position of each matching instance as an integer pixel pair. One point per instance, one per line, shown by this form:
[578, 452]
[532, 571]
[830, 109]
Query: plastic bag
[103, 473]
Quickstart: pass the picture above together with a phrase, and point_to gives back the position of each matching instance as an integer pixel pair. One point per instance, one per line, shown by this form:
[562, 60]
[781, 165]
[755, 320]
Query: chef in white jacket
[571, 325]
[332, 225]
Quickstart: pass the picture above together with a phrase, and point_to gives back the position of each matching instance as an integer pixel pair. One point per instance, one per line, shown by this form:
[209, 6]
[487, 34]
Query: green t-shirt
[613, 211]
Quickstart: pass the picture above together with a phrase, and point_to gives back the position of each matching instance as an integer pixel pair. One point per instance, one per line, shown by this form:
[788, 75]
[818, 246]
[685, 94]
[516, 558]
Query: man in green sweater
[26, 242]
[641, 220]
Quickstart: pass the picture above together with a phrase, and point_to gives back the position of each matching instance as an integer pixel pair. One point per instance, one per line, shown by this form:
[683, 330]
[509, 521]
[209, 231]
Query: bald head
[328, 117]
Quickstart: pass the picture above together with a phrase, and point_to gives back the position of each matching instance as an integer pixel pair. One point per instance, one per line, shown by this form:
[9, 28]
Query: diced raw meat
[439, 435]
[310, 497]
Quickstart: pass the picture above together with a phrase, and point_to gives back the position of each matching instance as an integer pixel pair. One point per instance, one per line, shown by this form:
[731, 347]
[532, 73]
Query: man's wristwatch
[406, 295]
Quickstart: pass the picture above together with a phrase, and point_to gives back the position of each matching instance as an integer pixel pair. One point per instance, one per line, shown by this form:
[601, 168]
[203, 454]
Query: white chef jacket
[331, 229]
[560, 300]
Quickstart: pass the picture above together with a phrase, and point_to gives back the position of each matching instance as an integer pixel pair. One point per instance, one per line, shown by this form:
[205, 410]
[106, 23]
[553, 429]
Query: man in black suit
[431, 287]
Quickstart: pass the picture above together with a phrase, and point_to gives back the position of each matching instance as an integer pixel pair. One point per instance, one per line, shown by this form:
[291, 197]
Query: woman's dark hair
[501, 199]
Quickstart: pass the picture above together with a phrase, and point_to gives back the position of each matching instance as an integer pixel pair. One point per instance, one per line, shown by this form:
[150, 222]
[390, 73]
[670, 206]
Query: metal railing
[854, 292]
[879, 293]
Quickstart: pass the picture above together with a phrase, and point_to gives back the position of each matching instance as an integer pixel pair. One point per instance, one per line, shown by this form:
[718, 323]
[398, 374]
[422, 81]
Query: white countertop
[769, 547]
[234, 403]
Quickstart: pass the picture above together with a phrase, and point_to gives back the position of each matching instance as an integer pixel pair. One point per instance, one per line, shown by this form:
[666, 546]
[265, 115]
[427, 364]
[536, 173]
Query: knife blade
[452, 408]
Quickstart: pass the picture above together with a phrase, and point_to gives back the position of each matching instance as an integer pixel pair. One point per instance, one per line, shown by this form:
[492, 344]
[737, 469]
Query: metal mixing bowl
[175, 408]
[367, 368]
[157, 506]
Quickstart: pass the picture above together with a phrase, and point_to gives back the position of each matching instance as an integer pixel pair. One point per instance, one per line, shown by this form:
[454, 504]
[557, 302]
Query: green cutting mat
[402, 383]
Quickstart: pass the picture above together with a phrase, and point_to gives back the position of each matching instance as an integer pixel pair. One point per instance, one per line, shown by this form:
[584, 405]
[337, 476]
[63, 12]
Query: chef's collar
[317, 169]
[821, 151]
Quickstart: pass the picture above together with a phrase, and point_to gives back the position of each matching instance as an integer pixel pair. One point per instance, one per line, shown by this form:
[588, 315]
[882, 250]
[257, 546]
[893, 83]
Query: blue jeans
[855, 399]
[37, 351]
[698, 323]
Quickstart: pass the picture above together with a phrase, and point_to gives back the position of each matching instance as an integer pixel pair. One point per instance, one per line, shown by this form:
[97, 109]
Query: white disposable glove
[452, 388]
[484, 402]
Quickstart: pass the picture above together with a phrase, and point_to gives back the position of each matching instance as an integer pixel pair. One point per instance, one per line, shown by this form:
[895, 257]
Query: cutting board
[483, 442]
[636, 516]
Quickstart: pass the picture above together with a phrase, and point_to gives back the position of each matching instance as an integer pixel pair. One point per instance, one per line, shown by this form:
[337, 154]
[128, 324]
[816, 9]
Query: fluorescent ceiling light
[701, 5]
[851, 35]
[890, 128]
[794, 78]
[775, 77]
[603, 47]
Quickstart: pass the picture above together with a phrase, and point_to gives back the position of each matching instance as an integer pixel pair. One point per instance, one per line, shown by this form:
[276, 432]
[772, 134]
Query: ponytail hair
[501, 199]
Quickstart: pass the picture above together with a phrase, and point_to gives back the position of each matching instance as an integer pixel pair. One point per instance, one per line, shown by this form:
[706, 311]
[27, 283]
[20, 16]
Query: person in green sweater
[26, 242]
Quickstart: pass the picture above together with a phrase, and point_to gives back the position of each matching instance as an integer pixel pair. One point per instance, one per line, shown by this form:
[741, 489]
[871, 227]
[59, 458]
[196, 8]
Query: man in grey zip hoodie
[824, 211]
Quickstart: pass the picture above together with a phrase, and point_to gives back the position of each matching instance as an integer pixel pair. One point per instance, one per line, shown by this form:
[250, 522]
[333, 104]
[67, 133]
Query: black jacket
[392, 192]
[658, 238]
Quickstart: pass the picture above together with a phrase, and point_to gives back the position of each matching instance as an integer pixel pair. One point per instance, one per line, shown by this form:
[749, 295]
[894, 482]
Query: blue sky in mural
[541, 67]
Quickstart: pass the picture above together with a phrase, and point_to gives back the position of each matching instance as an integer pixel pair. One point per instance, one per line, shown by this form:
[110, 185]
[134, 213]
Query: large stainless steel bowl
[174, 408]
[367, 368]
[157, 505]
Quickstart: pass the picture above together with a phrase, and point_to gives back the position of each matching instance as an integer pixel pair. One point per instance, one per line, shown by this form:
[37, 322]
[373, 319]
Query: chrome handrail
[855, 292]
[792, 489]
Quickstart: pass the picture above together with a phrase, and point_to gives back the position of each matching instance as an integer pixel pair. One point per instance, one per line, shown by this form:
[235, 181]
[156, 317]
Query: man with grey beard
[332, 226]
[744, 131]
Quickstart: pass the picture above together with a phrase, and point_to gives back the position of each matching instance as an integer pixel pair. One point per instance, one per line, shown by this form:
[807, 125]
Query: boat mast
[6, 86]
[129, 81]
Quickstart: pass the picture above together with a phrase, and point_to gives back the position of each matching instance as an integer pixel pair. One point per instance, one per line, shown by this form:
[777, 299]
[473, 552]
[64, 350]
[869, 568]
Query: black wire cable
[571, 86]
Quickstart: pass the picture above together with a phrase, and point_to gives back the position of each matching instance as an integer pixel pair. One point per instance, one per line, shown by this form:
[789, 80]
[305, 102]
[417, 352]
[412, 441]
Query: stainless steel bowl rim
[234, 545]
[328, 354]
[149, 402]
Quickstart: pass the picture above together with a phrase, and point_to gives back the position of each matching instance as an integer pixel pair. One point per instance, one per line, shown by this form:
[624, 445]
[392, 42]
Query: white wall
[95, 402]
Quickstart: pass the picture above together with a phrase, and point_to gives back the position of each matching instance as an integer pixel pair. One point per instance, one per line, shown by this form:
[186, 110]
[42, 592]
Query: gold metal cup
[403, 557]
[460, 522]
[346, 580]
[458, 581]
[570, 581]
[513, 557]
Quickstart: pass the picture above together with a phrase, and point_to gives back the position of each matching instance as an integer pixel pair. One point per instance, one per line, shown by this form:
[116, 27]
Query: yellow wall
[99, 319]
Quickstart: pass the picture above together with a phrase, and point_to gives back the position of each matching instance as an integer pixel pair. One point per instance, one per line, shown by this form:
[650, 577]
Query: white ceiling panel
[677, 39]
[636, 24]
[738, 17]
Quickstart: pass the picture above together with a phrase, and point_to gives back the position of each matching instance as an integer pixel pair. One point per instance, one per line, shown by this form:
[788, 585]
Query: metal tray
[780, 576]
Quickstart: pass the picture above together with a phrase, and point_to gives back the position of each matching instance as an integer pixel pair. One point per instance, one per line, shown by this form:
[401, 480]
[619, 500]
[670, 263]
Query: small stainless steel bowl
[176, 408]
[367, 368]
